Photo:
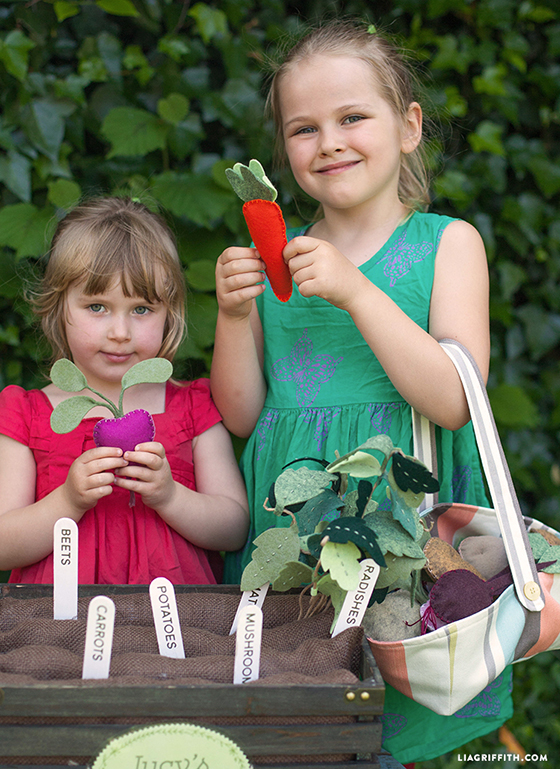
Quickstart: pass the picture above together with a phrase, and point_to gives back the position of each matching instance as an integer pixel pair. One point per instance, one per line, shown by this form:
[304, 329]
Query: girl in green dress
[377, 281]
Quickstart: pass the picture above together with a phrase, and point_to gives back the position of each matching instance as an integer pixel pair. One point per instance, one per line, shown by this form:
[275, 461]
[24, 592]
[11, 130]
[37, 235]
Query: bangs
[140, 267]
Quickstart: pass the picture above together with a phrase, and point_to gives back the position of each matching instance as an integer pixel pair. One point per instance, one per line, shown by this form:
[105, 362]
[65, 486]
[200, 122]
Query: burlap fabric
[35, 648]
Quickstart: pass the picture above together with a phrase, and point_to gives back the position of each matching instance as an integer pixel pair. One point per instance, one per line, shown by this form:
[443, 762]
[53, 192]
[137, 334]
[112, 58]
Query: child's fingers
[303, 244]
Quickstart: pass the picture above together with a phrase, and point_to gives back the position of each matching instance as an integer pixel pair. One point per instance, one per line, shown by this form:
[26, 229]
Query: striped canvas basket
[444, 669]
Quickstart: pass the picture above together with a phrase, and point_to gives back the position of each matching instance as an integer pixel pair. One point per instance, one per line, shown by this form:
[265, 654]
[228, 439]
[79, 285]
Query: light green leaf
[380, 443]
[543, 552]
[194, 196]
[117, 7]
[151, 371]
[133, 131]
[294, 486]
[65, 10]
[14, 53]
[24, 228]
[293, 574]
[67, 376]
[487, 138]
[64, 193]
[398, 569]
[250, 182]
[209, 21]
[274, 548]
[391, 536]
[358, 464]
[328, 586]
[68, 414]
[405, 506]
[173, 108]
[342, 561]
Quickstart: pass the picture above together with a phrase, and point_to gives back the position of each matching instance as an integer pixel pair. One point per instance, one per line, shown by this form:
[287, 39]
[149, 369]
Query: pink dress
[118, 544]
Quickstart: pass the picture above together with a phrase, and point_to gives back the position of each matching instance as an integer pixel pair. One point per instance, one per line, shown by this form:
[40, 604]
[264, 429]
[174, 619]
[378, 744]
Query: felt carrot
[265, 222]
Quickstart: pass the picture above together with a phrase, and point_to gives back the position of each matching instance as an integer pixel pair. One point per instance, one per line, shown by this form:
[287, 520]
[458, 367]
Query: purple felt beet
[125, 432]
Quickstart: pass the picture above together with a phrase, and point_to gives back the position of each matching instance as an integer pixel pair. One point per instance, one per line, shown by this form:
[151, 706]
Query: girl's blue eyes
[349, 119]
[98, 308]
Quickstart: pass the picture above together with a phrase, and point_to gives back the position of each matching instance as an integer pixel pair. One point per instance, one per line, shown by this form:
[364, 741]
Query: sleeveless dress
[327, 392]
[117, 544]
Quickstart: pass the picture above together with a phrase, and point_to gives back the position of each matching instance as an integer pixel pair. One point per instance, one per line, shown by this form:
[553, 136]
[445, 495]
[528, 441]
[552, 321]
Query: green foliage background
[154, 98]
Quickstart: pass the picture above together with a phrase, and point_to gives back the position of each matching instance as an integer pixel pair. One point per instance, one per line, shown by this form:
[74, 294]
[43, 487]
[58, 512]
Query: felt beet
[124, 431]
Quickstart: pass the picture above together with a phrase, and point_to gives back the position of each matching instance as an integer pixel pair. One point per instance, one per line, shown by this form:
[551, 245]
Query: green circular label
[172, 746]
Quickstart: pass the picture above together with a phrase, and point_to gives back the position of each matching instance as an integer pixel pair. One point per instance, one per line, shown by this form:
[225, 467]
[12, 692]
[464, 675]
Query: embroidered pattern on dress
[486, 703]
[323, 419]
[382, 416]
[306, 372]
[401, 256]
[392, 724]
[460, 483]
[263, 430]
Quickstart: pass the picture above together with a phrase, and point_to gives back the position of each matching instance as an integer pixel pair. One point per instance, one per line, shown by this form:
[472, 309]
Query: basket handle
[502, 492]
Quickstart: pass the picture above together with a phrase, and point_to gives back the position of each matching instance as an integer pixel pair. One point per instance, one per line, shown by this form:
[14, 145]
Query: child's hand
[91, 476]
[150, 475]
[319, 269]
[239, 279]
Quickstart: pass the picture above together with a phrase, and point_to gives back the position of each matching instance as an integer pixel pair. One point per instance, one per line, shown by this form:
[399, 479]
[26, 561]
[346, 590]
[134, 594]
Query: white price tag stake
[248, 645]
[166, 618]
[99, 637]
[356, 601]
[250, 598]
[65, 569]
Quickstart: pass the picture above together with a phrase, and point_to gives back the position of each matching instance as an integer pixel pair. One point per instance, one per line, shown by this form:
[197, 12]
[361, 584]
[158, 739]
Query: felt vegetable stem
[265, 222]
[125, 431]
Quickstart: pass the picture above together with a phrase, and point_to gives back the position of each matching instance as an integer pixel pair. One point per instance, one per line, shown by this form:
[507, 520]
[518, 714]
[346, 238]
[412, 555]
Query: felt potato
[124, 431]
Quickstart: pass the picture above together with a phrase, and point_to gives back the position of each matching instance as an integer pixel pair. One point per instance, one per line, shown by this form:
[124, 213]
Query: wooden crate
[327, 726]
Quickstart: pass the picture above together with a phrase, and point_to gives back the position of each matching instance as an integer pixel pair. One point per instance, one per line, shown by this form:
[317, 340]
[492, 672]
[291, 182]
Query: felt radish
[265, 222]
[124, 431]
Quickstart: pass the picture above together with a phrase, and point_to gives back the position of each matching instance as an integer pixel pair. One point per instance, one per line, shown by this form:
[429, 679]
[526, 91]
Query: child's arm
[216, 515]
[413, 360]
[237, 382]
[26, 526]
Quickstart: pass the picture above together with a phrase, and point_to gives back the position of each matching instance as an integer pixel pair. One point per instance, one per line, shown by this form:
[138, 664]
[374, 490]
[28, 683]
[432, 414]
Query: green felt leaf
[342, 561]
[392, 537]
[294, 574]
[68, 414]
[380, 443]
[398, 569]
[67, 376]
[358, 464]
[300, 485]
[274, 549]
[150, 371]
[357, 531]
[405, 506]
[543, 552]
[411, 474]
[328, 586]
[250, 182]
[317, 507]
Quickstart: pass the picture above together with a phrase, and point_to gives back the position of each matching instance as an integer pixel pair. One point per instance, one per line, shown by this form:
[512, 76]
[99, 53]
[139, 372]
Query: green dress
[327, 392]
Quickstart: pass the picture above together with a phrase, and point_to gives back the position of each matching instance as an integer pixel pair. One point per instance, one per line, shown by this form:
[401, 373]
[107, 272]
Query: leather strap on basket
[498, 477]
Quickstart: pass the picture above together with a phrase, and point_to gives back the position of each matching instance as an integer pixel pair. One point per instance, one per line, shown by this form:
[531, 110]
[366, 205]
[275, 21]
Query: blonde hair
[102, 240]
[394, 77]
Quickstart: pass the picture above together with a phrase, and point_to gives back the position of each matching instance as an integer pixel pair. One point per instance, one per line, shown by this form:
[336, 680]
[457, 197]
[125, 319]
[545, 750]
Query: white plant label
[65, 569]
[250, 598]
[356, 601]
[248, 645]
[166, 618]
[99, 637]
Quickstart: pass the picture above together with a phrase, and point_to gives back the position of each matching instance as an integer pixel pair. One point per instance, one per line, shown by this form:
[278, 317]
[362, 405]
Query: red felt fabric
[268, 231]
[117, 544]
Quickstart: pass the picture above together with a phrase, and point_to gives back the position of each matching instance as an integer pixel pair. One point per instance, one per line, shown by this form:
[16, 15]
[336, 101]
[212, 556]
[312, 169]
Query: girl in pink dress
[113, 295]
